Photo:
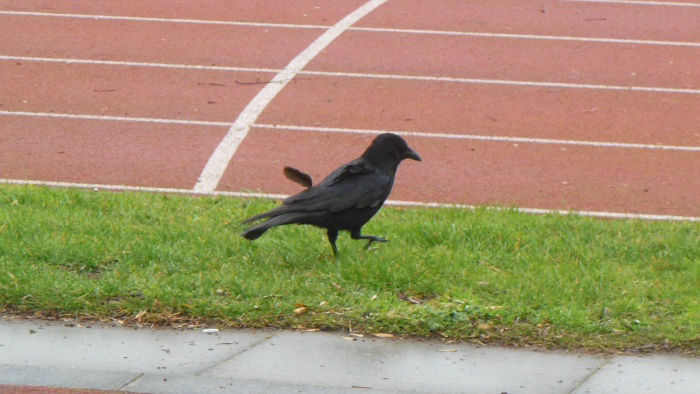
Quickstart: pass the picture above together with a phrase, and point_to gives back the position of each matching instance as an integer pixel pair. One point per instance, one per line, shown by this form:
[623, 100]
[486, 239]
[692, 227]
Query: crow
[346, 199]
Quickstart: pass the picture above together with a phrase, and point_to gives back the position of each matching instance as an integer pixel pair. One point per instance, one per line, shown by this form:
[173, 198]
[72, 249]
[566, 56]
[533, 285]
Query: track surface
[573, 105]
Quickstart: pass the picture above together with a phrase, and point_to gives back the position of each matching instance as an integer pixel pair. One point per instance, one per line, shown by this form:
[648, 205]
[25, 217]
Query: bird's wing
[354, 185]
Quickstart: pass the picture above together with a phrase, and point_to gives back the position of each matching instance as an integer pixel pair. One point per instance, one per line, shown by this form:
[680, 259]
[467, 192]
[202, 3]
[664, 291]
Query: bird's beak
[411, 154]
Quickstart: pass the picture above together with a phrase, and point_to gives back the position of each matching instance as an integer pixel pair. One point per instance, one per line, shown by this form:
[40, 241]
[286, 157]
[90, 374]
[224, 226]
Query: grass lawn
[481, 275]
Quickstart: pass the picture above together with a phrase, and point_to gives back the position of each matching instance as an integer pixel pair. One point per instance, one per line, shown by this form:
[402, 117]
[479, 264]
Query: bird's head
[390, 149]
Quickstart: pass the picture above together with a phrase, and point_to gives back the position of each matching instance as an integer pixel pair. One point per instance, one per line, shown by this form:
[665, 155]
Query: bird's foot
[373, 238]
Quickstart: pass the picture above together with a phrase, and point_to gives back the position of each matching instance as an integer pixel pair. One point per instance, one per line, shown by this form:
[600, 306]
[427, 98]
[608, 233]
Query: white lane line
[528, 36]
[482, 137]
[638, 2]
[542, 211]
[134, 64]
[115, 118]
[358, 28]
[150, 189]
[362, 75]
[217, 163]
[505, 82]
[358, 131]
[167, 20]
[599, 214]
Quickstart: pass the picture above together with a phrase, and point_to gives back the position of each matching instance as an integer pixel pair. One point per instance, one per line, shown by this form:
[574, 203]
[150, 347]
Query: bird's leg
[355, 234]
[332, 236]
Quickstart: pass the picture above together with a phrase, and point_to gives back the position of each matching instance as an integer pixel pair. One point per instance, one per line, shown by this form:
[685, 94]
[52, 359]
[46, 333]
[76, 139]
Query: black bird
[346, 199]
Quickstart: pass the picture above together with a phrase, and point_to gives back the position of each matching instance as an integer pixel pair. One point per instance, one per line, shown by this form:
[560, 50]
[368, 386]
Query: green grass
[482, 275]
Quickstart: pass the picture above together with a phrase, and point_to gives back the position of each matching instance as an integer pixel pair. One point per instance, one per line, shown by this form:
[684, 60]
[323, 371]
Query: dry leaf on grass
[300, 310]
[140, 315]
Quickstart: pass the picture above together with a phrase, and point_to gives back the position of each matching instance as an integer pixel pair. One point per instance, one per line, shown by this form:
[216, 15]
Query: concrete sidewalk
[62, 354]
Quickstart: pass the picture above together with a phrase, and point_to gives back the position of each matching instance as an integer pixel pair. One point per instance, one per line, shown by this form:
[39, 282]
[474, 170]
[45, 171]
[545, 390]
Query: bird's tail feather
[266, 214]
[257, 230]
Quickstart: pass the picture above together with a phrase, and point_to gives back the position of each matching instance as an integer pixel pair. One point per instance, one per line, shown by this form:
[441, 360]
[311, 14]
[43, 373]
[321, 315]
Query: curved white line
[217, 163]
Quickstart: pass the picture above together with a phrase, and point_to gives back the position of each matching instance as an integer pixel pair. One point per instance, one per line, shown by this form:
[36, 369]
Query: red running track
[574, 105]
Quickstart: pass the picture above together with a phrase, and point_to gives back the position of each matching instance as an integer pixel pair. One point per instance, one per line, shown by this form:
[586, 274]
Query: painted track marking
[217, 163]
[598, 214]
[528, 36]
[135, 64]
[626, 145]
[309, 26]
[285, 75]
[506, 82]
[483, 137]
[166, 20]
[359, 28]
[116, 118]
[638, 2]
